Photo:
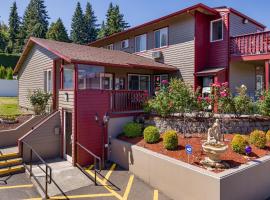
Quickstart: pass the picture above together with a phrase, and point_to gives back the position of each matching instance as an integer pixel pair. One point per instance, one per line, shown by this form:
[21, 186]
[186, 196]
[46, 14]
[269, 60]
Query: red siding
[90, 102]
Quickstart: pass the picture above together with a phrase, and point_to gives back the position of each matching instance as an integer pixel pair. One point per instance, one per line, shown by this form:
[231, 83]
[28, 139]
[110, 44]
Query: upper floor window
[48, 81]
[68, 77]
[216, 30]
[124, 44]
[161, 37]
[110, 47]
[140, 43]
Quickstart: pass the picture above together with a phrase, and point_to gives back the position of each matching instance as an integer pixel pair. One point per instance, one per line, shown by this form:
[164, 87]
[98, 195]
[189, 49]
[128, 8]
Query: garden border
[180, 180]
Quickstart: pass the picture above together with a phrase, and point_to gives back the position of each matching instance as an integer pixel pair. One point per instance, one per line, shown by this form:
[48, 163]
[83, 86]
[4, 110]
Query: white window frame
[145, 42]
[110, 47]
[48, 85]
[139, 75]
[167, 30]
[107, 75]
[211, 30]
[124, 42]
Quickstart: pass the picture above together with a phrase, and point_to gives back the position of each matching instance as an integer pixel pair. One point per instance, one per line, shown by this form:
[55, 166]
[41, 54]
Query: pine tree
[58, 32]
[35, 21]
[3, 37]
[115, 20]
[91, 26]
[14, 27]
[78, 26]
[102, 31]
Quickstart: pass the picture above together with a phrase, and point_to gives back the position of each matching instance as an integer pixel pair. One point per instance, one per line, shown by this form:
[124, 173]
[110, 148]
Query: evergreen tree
[3, 37]
[115, 20]
[14, 26]
[78, 26]
[102, 31]
[91, 26]
[9, 73]
[35, 21]
[58, 32]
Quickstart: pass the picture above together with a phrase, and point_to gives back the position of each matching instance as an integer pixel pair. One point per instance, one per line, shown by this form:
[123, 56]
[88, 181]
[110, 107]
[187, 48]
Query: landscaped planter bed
[230, 157]
[6, 125]
[180, 180]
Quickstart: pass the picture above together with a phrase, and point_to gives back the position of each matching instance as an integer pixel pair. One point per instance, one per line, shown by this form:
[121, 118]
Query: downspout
[75, 159]
[54, 85]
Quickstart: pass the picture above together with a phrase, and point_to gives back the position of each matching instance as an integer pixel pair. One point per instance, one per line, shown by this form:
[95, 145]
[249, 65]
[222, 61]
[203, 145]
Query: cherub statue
[214, 133]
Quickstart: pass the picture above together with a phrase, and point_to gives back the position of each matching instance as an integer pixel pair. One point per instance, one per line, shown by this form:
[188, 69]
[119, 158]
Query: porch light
[106, 118]
[245, 21]
[96, 117]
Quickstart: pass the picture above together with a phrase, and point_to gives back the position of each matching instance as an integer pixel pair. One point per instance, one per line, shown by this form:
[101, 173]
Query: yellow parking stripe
[109, 173]
[130, 181]
[16, 186]
[155, 195]
[77, 196]
[105, 186]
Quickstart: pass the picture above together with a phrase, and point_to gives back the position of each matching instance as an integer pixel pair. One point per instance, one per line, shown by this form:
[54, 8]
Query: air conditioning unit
[156, 54]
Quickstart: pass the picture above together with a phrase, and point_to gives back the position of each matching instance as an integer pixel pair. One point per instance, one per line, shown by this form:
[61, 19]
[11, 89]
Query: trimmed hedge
[239, 144]
[9, 60]
[268, 136]
[170, 140]
[151, 134]
[132, 130]
[258, 138]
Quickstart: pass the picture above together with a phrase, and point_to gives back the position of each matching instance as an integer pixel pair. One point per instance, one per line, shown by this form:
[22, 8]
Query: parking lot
[115, 183]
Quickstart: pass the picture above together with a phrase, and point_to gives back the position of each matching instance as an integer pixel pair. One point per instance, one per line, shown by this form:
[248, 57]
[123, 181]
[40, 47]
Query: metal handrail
[47, 171]
[96, 158]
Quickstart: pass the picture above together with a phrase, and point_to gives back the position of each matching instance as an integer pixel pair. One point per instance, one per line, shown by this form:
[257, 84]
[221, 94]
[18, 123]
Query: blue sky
[139, 11]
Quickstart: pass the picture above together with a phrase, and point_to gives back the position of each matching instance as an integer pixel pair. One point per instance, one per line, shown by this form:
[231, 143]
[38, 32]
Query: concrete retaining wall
[8, 88]
[181, 181]
[10, 137]
[44, 138]
[229, 124]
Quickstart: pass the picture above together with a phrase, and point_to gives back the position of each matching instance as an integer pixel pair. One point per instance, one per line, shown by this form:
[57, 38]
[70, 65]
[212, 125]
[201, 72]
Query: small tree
[243, 103]
[2, 72]
[264, 103]
[58, 32]
[9, 73]
[39, 100]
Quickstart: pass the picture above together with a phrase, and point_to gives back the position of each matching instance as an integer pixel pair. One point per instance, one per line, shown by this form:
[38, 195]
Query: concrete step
[8, 156]
[10, 162]
[12, 170]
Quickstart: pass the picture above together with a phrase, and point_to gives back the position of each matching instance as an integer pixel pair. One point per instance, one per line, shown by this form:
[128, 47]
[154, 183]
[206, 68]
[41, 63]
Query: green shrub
[170, 140]
[239, 144]
[9, 73]
[243, 103]
[258, 138]
[151, 134]
[9, 60]
[133, 129]
[39, 100]
[264, 104]
[268, 136]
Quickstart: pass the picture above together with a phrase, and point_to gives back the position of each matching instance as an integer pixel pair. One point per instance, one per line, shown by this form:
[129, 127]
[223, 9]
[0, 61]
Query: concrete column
[266, 71]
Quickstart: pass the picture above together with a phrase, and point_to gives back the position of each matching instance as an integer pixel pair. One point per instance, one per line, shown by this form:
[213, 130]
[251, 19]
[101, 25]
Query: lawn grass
[9, 106]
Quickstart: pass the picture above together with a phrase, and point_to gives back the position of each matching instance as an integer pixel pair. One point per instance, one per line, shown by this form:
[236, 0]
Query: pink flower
[200, 99]
[223, 94]
[218, 85]
[164, 82]
[225, 84]
[208, 99]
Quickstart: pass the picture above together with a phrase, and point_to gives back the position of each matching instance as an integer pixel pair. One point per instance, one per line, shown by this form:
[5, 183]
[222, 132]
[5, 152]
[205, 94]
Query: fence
[8, 88]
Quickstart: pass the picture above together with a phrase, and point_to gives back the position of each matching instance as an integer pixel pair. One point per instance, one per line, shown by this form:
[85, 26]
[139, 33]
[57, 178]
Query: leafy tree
[14, 26]
[91, 26]
[102, 31]
[9, 73]
[2, 72]
[35, 21]
[78, 26]
[115, 20]
[3, 37]
[58, 32]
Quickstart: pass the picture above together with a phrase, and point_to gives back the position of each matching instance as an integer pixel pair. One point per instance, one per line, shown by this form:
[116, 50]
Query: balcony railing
[126, 101]
[250, 44]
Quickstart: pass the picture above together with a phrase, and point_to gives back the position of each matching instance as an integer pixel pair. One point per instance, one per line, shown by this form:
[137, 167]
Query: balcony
[250, 44]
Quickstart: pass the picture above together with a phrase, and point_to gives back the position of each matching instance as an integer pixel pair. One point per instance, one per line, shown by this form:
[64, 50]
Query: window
[48, 81]
[125, 44]
[68, 77]
[159, 79]
[216, 30]
[140, 43]
[110, 47]
[161, 37]
[139, 82]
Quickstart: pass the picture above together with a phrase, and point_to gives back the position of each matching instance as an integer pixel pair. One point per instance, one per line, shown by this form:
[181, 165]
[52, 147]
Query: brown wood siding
[237, 27]
[31, 74]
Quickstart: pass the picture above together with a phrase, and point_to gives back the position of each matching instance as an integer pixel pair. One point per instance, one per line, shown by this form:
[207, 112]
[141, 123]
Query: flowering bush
[243, 103]
[264, 104]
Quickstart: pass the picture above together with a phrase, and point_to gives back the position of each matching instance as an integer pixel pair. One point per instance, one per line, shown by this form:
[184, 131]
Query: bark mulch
[232, 158]
[21, 119]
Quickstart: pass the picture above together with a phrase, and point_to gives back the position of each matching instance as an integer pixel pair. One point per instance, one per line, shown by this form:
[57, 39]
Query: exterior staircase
[11, 163]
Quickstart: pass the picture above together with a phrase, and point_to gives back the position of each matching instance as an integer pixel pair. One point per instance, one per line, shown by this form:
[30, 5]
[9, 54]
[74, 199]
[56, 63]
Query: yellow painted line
[16, 186]
[10, 162]
[83, 196]
[130, 181]
[8, 155]
[109, 173]
[90, 167]
[155, 195]
[10, 170]
[104, 185]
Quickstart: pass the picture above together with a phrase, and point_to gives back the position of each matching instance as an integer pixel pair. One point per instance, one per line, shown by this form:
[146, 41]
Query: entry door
[68, 135]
